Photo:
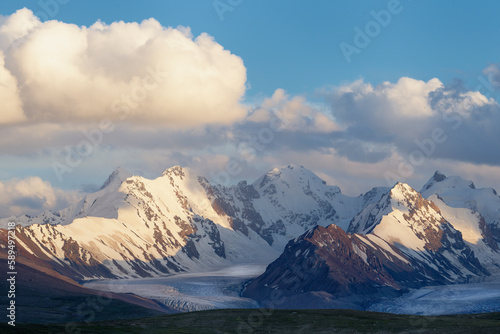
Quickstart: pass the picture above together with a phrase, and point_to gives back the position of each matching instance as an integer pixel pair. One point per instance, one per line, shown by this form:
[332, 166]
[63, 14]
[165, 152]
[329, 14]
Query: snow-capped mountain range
[401, 241]
[180, 222]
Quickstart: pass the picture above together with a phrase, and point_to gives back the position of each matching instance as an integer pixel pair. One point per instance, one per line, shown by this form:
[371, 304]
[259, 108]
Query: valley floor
[282, 321]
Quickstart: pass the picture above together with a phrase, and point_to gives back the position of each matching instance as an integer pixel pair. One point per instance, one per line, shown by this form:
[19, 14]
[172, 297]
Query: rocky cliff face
[331, 260]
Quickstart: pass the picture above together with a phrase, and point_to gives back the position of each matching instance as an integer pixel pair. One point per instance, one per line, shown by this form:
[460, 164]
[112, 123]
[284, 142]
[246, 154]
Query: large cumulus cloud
[53, 72]
[400, 117]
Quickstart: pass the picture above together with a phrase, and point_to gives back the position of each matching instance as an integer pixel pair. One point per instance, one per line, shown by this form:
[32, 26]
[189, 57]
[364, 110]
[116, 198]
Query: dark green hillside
[281, 321]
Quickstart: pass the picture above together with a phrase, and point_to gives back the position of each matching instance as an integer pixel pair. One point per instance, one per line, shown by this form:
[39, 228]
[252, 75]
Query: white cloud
[401, 114]
[132, 71]
[294, 114]
[12, 110]
[32, 195]
[461, 103]
[408, 98]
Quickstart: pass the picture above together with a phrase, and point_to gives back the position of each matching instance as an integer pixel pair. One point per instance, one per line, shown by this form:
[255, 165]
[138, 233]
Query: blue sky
[419, 93]
[294, 44]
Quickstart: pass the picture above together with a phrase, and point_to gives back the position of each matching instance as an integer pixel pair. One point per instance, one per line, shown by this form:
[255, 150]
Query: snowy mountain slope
[103, 203]
[179, 222]
[402, 241]
[459, 193]
[136, 227]
[475, 233]
[140, 227]
[286, 202]
[46, 217]
[87, 206]
[416, 226]
[300, 195]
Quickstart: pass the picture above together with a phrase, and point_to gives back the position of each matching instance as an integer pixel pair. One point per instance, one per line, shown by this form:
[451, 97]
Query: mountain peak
[176, 171]
[288, 174]
[401, 198]
[440, 181]
[402, 190]
[291, 168]
[438, 176]
[119, 175]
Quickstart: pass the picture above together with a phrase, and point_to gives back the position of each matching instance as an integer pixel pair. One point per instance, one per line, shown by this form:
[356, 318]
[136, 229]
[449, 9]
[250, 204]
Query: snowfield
[190, 292]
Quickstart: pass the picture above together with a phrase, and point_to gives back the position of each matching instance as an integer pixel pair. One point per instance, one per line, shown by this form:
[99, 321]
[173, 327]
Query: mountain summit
[439, 180]
[116, 177]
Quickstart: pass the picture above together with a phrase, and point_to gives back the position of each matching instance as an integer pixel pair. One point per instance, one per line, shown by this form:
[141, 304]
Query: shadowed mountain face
[330, 266]
[44, 296]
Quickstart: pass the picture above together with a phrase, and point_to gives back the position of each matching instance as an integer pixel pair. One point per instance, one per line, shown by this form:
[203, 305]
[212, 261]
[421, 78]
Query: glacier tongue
[192, 291]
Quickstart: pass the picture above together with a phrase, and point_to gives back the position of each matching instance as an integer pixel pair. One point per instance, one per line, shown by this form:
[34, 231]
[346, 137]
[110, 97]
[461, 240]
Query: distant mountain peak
[289, 169]
[402, 191]
[441, 181]
[288, 174]
[175, 170]
[119, 175]
[438, 176]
